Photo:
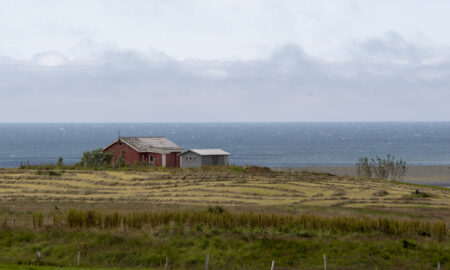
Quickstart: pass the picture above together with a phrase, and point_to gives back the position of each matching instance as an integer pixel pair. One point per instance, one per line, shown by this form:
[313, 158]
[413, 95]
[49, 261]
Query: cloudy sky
[208, 61]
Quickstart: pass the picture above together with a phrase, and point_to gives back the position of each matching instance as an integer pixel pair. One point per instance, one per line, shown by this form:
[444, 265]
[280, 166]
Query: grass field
[34, 267]
[282, 198]
[224, 187]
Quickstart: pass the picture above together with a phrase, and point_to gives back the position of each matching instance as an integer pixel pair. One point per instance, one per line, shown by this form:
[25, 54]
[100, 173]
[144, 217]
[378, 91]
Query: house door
[163, 156]
[215, 160]
[151, 160]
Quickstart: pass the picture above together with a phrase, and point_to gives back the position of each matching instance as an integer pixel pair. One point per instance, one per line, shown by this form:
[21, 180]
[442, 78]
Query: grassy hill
[222, 186]
[243, 217]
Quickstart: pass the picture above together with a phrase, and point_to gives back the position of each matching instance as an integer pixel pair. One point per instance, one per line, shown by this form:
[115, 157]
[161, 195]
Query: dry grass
[289, 191]
[221, 187]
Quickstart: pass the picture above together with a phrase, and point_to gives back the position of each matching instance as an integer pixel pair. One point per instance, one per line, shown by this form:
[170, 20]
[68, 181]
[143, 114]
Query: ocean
[264, 144]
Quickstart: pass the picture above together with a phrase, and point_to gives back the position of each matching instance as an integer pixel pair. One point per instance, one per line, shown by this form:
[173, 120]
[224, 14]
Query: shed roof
[208, 152]
[148, 144]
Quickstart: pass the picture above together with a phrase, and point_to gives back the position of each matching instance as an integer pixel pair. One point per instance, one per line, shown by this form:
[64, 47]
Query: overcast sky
[232, 61]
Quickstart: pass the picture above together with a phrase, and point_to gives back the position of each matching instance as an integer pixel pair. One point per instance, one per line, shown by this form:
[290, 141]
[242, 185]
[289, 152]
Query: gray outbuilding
[204, 157]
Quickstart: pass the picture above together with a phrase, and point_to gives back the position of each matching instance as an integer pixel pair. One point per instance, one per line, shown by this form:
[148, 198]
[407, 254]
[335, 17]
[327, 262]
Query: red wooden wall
[132, 156]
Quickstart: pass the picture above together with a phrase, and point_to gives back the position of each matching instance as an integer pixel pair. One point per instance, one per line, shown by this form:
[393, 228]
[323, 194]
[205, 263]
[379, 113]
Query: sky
[224, 61]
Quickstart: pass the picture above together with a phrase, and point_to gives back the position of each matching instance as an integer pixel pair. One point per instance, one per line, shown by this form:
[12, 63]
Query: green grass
[135, 219]
[34, 267]
[187, 247]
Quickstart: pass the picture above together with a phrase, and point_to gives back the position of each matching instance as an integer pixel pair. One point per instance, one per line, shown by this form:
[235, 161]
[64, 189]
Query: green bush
[385, 168]
[95, 158]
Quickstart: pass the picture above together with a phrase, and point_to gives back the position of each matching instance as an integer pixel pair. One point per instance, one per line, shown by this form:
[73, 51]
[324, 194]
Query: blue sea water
[267, 144]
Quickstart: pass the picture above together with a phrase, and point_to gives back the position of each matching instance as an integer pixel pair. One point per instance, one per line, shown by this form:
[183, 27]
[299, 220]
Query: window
[151, 159]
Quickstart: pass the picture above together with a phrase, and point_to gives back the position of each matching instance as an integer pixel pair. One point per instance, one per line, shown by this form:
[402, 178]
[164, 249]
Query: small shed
[204, 157]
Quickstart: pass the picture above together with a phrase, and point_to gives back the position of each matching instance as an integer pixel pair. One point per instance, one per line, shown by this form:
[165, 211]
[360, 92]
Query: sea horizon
[272, 144]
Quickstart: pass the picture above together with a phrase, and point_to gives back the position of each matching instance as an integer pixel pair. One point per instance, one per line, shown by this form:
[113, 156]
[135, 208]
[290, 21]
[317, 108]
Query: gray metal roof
[149, 144]
[208, 152]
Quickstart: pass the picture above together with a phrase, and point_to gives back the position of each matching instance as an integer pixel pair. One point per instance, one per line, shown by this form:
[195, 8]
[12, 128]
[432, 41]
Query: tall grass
[254, 221]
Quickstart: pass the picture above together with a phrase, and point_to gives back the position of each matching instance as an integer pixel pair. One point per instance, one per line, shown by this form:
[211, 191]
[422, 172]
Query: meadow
[243, 217]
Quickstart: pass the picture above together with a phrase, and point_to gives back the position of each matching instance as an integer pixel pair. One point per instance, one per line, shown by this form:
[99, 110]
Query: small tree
[95, 158]
[363, 168]
[387, 168]
[60, 162]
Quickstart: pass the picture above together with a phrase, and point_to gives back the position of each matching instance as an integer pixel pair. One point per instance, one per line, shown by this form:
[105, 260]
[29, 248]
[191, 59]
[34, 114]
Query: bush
[386, 168]
[95, 158]
[60, 162]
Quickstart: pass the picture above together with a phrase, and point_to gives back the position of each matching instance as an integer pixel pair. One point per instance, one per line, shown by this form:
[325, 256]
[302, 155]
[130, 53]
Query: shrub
[95, 158]
[60, 162]
[386, 168]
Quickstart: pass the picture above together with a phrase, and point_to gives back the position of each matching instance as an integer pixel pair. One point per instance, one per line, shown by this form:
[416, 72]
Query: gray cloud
[387, 78]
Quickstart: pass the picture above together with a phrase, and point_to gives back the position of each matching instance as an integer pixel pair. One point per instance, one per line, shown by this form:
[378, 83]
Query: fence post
[167, 263]
[38, 257]
[78, 258]
[13, 221]
[439, 266]
[273, 265]
[207, 262]
[324, 261]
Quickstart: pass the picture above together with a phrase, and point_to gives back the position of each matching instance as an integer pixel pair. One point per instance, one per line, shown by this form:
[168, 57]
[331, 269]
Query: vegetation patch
[417, 194]
[48, 172]
[217, 217]
[380, 193]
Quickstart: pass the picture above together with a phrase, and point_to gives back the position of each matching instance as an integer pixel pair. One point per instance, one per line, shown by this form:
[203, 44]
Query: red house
[156, 151]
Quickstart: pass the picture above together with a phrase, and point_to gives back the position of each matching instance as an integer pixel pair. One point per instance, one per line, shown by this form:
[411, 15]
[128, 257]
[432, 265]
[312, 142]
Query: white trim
[163, 157]
[116, 141]
[207, 152]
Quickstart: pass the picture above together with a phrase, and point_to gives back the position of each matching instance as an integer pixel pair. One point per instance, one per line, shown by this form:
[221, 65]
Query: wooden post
[207, 262]
[273, 265]
[324, 261]
[13, 221]
[78, 258]
[38, 256]
[167, 263]
[439, 266]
